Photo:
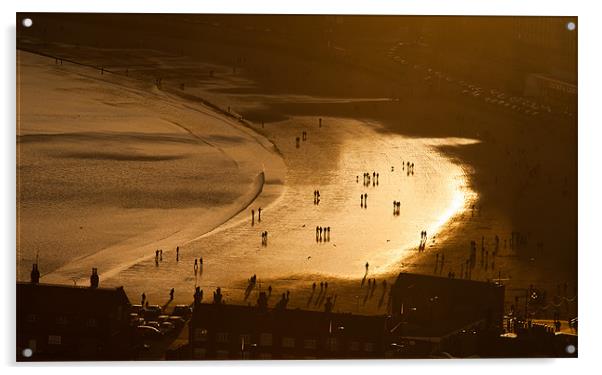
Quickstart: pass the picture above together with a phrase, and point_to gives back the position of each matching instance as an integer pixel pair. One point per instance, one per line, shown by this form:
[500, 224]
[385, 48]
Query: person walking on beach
[252, 217]
[259, 214]
[171, 293]
[143, 299]
[201, 261]
[196, 265]
[177, 253]
[367, 265]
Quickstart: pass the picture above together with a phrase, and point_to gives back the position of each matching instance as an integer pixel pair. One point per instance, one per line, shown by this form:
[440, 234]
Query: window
[368, 347]
[222, 337]
[222, 354]
[288, 342]
[265, 339]
[61, 320]
[31, 318]
[200, 334]
[354, 346]
[54, 340]
[332, 344]
[309, 344]
[199, 353]
[91, 322]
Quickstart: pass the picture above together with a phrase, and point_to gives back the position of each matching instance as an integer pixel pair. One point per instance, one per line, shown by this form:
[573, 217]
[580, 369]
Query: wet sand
[110, 170]
[513, 176]
[332, 160]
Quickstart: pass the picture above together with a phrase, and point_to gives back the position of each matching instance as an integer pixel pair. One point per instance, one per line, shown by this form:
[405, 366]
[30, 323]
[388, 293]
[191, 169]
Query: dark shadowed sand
[515, 173]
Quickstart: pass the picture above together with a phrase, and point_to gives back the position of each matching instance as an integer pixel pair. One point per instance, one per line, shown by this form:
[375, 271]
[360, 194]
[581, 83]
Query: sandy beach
[106, 200]
[488, 177]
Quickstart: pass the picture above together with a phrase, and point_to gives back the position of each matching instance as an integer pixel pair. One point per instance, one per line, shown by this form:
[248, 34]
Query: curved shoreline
[230, 221]
[178, 235]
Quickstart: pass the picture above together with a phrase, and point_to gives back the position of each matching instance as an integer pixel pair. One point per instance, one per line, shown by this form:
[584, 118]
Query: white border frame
[589, 177]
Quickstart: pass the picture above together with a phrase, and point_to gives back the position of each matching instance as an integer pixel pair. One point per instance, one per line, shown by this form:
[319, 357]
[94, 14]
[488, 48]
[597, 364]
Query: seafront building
[71, 323]
[430, 317]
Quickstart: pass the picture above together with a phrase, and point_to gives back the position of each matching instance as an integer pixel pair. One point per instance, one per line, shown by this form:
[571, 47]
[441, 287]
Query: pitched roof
[295, 321]
[65, 299]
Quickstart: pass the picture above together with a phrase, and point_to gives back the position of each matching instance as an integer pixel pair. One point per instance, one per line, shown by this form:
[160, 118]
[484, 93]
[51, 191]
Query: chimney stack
[35, 274]
[198, 296]
[94, 278]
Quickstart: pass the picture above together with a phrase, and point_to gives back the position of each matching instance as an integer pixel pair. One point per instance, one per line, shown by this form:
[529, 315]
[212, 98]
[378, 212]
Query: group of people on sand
[302, 138]
[158, 256]
[144, 301]
[369, 178]
[396, 208]
[486, 261]
[322, 234]
[264, 238]
[258, 216]
[323, 286]
[198, 263]
[364, 200]
[316, 197]
[423, 239]
[408, 167]
[372, 283]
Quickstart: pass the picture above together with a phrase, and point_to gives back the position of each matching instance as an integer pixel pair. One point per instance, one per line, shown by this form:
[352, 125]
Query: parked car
[148, 333]
[177, 321]
[152, 312]
[153, 324]
[182, 310]
[167, 328]
[136, 309]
